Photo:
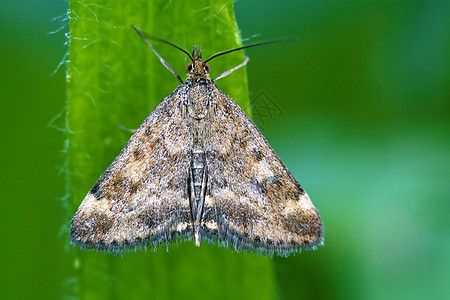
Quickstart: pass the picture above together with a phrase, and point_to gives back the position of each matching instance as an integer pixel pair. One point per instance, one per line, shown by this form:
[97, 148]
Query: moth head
[197, 69]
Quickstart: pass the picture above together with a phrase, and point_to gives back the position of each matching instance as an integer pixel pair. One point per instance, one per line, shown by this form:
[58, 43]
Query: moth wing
[257, 202]
[141, 198]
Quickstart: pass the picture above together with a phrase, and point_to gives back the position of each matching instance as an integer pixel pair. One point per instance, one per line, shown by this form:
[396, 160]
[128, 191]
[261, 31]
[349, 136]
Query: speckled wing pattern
[142, 196]
[199, 169]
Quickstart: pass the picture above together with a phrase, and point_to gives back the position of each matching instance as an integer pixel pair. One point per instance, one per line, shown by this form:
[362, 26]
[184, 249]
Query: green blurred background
[364, 96]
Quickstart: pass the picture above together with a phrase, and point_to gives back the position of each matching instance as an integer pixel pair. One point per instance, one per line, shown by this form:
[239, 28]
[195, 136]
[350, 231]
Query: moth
[197, 169]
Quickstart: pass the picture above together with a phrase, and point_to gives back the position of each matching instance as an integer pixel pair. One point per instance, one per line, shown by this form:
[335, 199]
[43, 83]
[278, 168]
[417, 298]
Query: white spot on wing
[182, 226]
[211, 225]
[209, 201]
[91, 204]
[264, 168]
[304, 203]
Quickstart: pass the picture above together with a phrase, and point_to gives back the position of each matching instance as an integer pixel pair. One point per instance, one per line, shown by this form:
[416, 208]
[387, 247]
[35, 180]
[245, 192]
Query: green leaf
[114, 81]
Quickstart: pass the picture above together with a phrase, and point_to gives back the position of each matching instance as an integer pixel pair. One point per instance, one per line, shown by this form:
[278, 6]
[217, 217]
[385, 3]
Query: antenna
[249, 46]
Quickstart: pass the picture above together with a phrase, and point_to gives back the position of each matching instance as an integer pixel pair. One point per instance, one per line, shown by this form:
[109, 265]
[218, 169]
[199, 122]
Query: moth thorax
[198, 101]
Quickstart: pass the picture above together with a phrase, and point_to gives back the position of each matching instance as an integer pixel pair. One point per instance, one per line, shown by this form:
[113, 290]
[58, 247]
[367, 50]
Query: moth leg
[228, 72]
[200, 203]
[198, 218]
[191, 193]
[165, 64]
[197, 192]
[126, 128]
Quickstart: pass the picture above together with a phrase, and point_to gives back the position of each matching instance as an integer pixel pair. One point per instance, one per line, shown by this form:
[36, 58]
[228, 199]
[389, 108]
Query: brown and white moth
[198, 169]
